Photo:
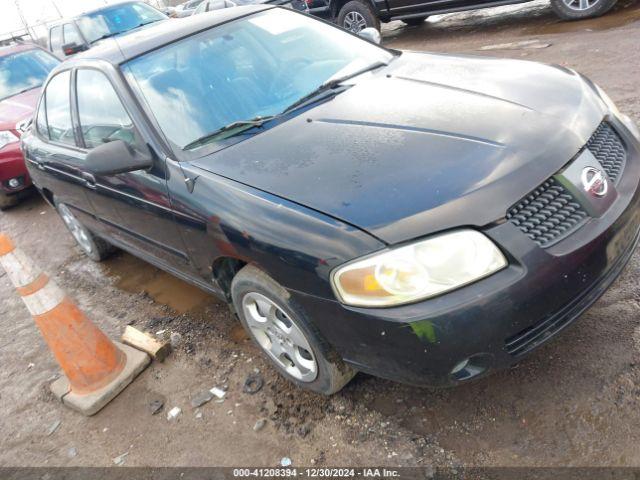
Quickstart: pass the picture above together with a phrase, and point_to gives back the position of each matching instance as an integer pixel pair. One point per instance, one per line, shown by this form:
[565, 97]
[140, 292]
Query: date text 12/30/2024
[316, 472]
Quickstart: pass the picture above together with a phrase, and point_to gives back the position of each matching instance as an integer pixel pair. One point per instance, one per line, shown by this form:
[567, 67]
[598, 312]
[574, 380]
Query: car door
[56, 153]
[135, 206]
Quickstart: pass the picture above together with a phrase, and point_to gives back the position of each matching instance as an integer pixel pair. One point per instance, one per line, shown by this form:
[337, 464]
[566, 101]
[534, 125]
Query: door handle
[88, 179]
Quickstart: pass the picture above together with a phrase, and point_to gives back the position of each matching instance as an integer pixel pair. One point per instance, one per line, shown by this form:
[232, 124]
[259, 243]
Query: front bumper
[12, 167]
[491, 324]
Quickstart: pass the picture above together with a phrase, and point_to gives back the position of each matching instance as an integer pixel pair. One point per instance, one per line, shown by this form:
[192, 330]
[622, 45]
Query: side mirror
[73, 48]
[117, 157]
[371, 34]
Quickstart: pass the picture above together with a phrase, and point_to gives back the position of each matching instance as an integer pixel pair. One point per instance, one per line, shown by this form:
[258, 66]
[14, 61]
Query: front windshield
[118, 19]
[24, 71]
[252, 67]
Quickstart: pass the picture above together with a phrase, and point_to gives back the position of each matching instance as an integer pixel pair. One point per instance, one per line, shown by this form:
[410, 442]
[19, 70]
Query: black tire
[414, 22]
[331, 373]
[94, 247]
[7, 201]
[566, 12]
[360, 10]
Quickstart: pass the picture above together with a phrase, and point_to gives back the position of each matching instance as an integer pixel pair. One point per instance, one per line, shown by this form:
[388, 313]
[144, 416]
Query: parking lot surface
[576, 401]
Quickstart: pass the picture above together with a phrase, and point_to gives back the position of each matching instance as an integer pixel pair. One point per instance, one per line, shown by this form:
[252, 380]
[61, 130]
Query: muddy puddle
[136, 276]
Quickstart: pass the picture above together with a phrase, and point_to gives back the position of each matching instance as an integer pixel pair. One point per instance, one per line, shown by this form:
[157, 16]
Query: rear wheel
[286, 336]
[93, 246]
[579, 9]
[356, 16]
[7, 201]
[415, 21]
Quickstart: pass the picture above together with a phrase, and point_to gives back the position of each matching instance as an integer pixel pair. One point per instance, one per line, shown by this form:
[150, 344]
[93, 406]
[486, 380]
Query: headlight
[418, 271]
[7, 137]
[614, 110]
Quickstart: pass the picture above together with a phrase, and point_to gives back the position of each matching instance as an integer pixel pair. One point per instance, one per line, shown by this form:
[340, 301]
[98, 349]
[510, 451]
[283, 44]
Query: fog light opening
[14, 183]
[471, 367]
[460, 366]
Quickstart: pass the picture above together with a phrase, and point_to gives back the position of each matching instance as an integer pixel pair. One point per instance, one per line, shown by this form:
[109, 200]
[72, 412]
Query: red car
[23, 70]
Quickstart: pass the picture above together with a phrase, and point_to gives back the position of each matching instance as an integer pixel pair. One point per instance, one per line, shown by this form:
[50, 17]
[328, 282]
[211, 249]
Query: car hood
[429, 143]
[18, 108]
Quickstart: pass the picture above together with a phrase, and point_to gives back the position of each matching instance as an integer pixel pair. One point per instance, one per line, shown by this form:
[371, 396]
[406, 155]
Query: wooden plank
[145, 342]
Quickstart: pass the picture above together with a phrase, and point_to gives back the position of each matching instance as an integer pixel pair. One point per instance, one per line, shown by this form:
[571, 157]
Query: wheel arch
[223, 269]
[336, 5]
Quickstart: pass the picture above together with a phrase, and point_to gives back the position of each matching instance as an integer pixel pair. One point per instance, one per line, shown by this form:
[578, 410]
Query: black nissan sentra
[422, 217]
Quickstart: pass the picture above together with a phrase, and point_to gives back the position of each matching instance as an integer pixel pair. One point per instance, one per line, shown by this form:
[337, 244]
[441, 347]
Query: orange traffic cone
[96, 369]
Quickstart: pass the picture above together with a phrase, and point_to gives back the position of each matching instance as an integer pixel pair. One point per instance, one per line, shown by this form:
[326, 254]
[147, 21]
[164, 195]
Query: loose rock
[253, 384]
[54, 426]
[155, 405]
[201, 398]
[119, 460]
[218, 392]
[174, 413]
[260, 424]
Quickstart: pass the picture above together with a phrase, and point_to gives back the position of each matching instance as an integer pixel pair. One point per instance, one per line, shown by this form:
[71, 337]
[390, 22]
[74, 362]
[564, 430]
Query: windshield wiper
[243, 125]
[239, 125]
[106, 35]
[330, 85]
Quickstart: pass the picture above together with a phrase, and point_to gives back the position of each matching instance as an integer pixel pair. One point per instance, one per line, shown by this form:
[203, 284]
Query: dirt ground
[576, 401]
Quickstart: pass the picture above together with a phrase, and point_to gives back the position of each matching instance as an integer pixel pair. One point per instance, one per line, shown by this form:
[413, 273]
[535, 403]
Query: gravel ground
[576, 401]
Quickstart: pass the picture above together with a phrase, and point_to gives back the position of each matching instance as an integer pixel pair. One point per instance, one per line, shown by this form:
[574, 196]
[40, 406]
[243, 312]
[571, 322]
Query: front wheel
[579, 9]
[290, 341]
[93, 246]
[356, 16]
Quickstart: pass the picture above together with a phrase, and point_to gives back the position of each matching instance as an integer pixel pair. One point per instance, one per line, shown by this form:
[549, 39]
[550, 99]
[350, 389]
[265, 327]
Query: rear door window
[58, 105]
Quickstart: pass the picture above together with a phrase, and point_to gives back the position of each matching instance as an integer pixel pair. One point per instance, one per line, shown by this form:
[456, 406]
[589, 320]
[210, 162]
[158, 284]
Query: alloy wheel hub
[280, 337]
[354, 22]
[77, 230]
[580, 5]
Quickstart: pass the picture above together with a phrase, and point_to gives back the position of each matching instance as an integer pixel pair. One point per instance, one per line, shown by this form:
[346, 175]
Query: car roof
[117, 50]
[18, 47]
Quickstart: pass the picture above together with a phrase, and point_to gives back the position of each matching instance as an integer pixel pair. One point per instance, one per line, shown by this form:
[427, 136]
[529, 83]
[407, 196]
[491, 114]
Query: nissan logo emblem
[594, 181]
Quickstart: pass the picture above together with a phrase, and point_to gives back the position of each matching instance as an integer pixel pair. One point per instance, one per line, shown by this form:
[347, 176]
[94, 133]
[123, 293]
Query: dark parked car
[427, 218]
[23, 70]
[354, 15]
[81, 33]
